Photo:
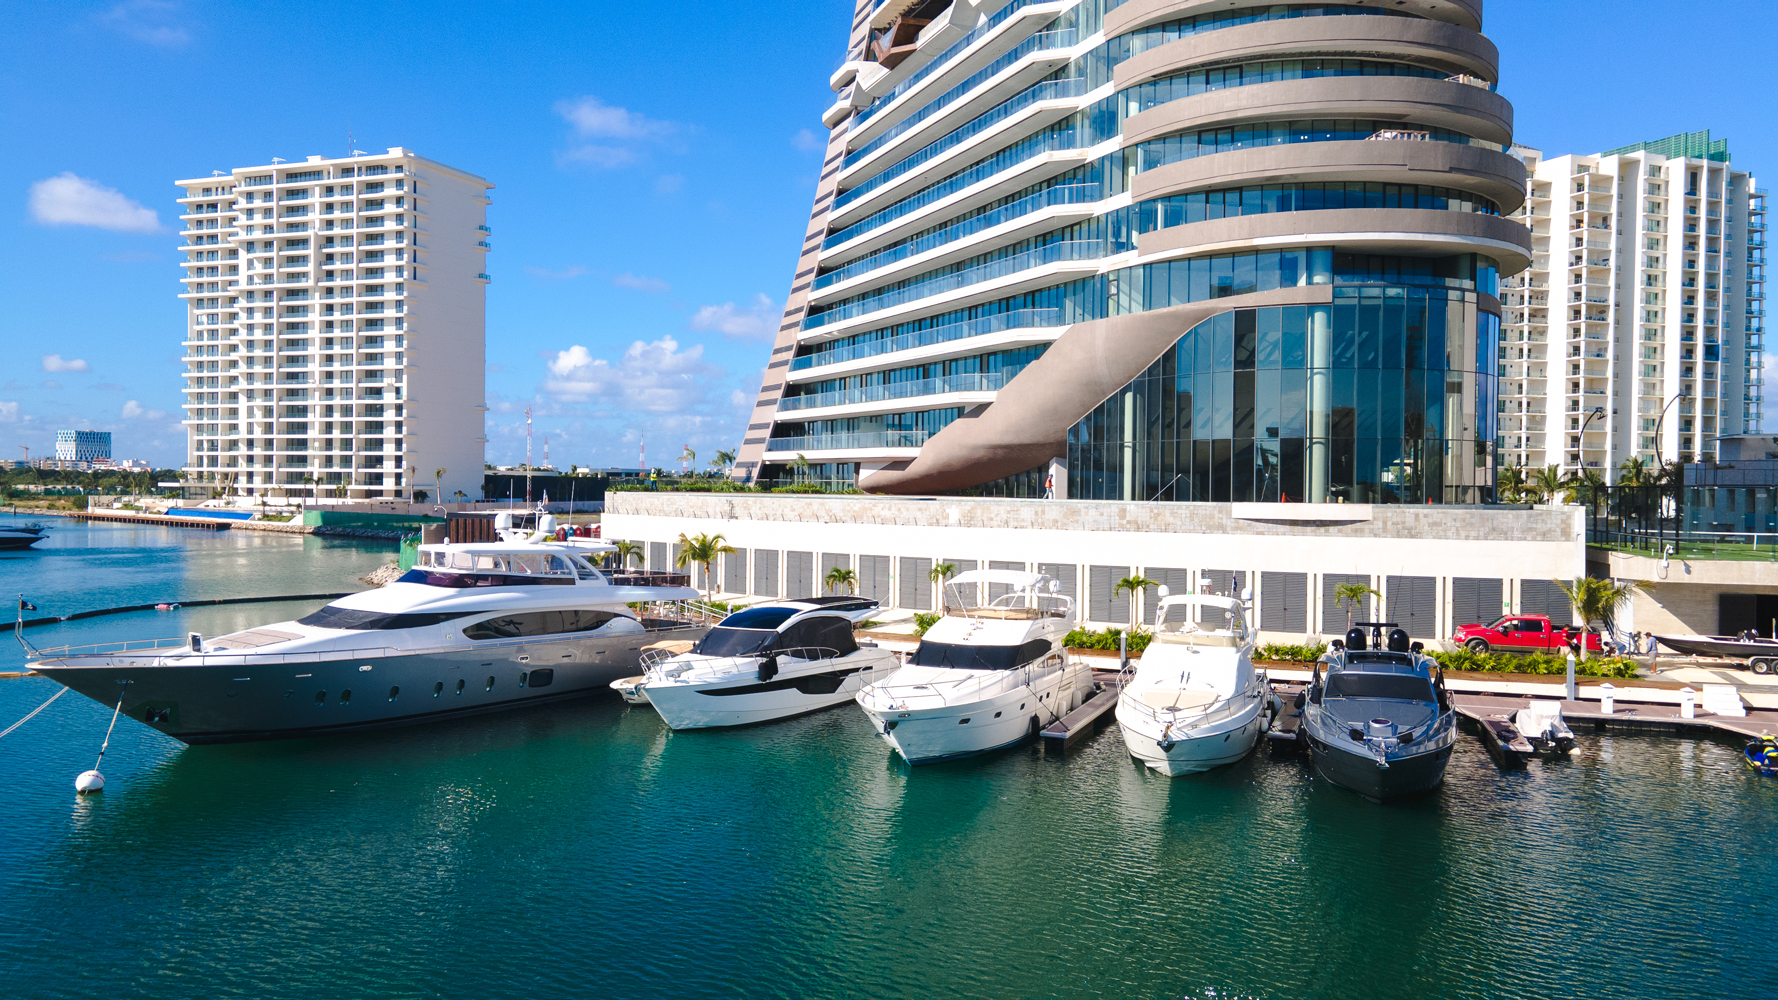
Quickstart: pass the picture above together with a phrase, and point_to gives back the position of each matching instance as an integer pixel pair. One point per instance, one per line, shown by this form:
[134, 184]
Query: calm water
[584, 850]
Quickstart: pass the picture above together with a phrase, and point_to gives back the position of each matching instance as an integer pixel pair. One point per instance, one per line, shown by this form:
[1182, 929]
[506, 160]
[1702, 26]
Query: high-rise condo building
[1636, 333]
[1153, 249]
[335, 328]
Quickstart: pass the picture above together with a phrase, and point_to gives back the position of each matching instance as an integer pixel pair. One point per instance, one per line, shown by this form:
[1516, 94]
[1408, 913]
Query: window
[1396, 686]
[824, 632]
[724, 641]
[967, 657]
[759, 618]
[363, 621]
[538, 623]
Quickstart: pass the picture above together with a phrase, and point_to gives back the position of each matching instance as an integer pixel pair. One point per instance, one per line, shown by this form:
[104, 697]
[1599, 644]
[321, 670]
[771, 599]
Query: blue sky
[653, 164]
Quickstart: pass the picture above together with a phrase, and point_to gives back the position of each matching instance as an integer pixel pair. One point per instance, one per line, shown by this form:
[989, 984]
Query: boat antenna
[18, 629]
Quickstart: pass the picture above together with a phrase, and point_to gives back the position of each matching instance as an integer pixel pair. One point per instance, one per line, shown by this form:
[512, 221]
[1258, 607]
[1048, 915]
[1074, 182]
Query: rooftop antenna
[277, 159]
[527, 456]
[218, 173]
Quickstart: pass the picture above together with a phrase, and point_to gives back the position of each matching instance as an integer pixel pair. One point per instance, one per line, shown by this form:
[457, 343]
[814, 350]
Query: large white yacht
[985, 675]
[767, 662]
[473, 627]
[1194, 701]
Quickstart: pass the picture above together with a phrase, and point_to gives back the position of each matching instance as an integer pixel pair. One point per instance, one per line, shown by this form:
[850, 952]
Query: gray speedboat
[475, 627]
[1378, 720]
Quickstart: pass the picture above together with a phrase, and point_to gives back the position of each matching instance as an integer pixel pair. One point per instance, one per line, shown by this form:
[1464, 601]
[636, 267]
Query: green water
[584, 850]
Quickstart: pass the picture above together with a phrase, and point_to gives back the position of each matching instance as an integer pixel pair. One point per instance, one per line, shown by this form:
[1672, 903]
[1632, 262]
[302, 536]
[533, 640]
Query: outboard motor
[1398, 640]
[1355, 639]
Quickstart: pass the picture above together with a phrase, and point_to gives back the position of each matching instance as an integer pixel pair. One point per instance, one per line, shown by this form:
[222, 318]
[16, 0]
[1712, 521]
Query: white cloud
[54, 363]
[68, 200]
[572, 271]
[755, 321]
[9, 412]
[807, 141]
[621, 133]
[133, 410]
[656, 377]
[641, 283]
[592, 117]
[147, 21]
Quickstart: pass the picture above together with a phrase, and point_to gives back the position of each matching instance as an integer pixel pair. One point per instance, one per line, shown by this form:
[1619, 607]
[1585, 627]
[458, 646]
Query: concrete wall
[1372, 541]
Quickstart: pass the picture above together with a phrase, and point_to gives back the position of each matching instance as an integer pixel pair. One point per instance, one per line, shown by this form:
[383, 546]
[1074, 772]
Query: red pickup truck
[1523, 634]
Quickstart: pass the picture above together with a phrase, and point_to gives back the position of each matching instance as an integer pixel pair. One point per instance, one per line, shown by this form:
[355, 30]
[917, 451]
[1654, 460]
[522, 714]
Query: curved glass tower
[1187, 250]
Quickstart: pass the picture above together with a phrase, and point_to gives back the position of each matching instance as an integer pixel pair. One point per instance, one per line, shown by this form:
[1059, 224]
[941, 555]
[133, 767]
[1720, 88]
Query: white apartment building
[335, 327]
[1637, 330]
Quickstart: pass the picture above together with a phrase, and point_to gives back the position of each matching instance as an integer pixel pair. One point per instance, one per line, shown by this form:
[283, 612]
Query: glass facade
[1387, 395]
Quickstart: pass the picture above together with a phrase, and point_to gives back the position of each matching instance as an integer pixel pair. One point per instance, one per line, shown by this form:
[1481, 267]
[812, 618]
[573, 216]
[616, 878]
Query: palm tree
[840, 576]
[690, 458]
[624, 550]
[1547, 482]
[801, 464]
[309, 481]
[938, 575]
[1595, 600]
[438, 485]
[724, 458]
[1511, 483]
[1634, 472]
[1130, 585]
[1584, 486]
[703, 550]
[1351, 595]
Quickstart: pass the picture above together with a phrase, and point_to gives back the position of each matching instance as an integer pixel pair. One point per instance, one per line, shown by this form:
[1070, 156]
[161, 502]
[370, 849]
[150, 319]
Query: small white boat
[984, 676]
[1194, 701]
[1541, 722]
[767, 662]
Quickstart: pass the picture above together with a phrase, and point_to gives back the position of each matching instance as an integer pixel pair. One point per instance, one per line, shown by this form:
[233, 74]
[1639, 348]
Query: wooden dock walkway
[209, 523]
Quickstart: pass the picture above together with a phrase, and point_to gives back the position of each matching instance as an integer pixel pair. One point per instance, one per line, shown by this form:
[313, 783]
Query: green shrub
[1292, 654]
[924, 620]
[800, 488]
[1085, 638]
[1534, 663]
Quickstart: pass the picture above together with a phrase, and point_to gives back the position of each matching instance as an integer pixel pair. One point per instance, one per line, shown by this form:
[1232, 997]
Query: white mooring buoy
[92, 781]
[89, 782]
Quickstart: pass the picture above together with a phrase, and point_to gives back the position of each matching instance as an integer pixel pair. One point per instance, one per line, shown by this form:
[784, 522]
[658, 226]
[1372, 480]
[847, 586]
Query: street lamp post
[1658, 422]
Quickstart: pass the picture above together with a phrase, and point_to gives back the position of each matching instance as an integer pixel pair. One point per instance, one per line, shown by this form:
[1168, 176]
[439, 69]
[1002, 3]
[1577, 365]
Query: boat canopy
[1018, 579]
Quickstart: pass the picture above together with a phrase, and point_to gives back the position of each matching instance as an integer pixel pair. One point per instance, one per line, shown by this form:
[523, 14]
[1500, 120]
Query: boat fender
[768, 668]
[1302, 698]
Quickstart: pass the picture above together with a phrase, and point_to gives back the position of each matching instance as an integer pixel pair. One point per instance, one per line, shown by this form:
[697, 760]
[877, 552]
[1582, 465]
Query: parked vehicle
[1523, 634]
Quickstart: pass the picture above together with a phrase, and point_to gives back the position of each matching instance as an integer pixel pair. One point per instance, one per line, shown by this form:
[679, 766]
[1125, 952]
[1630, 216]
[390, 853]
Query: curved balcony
[913, 395]
[1425, 42]
[1135, 14]
[1496, 176]
[1034, 268]
[1415, 231]
[1438, 103]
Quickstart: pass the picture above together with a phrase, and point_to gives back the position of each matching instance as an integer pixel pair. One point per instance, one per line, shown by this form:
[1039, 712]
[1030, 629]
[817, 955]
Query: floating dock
[1629, 717]
[1085, 719]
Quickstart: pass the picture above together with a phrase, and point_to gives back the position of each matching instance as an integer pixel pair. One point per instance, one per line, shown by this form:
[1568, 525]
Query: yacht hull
[1404, 776]
[934, 735]
[250, 698]
[1225, 743]
[746, 701]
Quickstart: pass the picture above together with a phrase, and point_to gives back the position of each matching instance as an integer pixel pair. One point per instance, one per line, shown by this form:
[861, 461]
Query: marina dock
[1059, 734]
[1643, 717]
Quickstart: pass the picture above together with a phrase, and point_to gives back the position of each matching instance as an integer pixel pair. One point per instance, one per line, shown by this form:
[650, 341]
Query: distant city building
[1637, 331]
[1152, 251]
[83, 446]
[335, 326]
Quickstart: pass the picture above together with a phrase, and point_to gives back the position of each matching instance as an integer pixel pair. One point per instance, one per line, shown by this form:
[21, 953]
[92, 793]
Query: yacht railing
[973, 685]
[1222, 709]
[654, 659]
[150, 650]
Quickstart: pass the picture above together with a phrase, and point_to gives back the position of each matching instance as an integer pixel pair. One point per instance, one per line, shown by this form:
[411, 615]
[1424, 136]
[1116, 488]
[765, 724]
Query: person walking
[1049, 486]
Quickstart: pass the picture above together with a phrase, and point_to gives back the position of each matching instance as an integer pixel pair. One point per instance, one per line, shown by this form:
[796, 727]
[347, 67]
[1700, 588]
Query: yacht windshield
[963, 656]
[465, 580]
[759, 618]
[724, 641]
[1399, 686]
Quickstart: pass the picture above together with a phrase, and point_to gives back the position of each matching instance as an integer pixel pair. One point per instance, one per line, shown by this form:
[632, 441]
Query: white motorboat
[474, 627]
[985, 675]
[1194, 700]
[770, 661]
[1541, 722]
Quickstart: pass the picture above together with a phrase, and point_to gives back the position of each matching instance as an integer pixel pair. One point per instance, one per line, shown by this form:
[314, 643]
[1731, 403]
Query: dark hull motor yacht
[1378, 720]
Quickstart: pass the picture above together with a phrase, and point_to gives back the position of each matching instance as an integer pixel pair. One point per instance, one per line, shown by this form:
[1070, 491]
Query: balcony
[1017, 320]
[1054, 253]
[972, 382]
[849, 442]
